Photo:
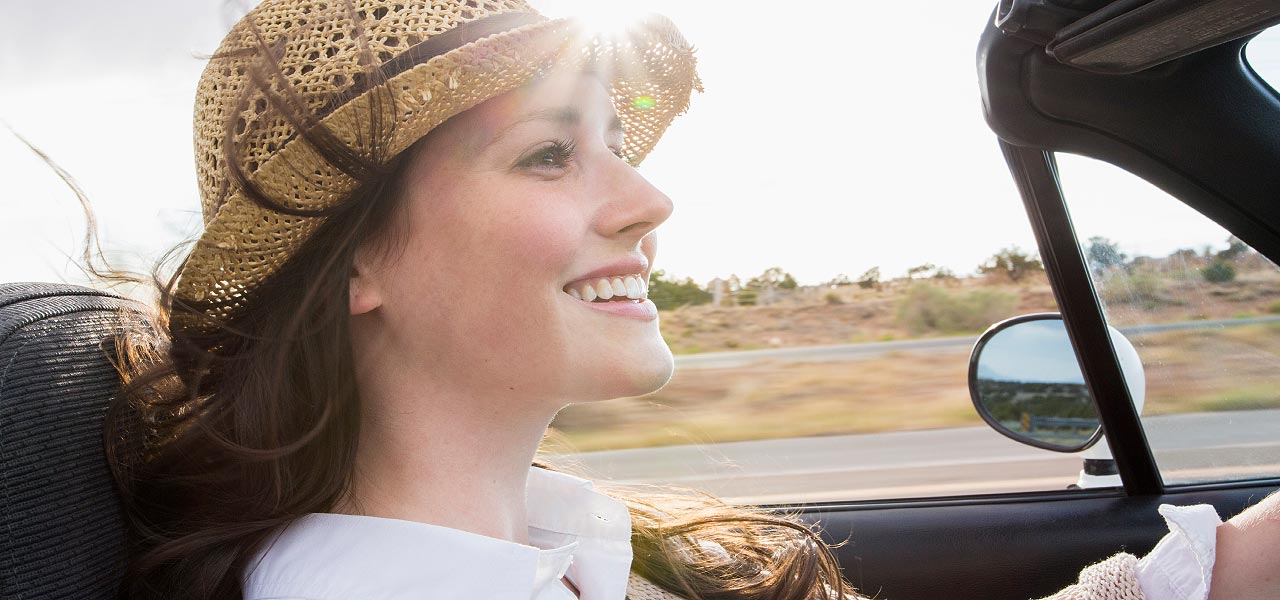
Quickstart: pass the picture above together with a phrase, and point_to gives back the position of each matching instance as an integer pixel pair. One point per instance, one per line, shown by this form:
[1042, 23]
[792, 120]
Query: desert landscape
[1212, 368]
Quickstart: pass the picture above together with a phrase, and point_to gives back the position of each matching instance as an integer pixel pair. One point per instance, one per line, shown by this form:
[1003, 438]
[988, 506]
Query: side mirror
[1025, 382]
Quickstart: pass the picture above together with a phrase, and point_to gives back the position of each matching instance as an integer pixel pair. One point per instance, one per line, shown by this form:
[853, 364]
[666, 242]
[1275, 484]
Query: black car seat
[63, 535]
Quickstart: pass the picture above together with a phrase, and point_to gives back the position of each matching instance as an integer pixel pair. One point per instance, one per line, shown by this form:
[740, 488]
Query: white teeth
[629, 286]
[604, 289]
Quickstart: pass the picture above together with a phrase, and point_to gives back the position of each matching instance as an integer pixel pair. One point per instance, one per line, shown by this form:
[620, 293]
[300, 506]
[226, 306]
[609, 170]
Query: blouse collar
[574, 530]
[564, 510]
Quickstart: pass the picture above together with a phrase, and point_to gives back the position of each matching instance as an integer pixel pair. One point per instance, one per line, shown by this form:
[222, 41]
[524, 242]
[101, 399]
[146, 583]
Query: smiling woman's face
[513, 209]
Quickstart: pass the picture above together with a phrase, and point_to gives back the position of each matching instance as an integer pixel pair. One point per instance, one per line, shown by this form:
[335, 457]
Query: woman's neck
[447, 459]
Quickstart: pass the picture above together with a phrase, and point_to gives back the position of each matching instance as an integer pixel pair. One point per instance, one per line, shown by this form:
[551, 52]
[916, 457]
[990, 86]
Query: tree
[921, 270]
[1235, 249]
[840, 280]
[740, 295]
[762, 289]
[668, 294]
[870, 279]
[1104, 254]
[773, 277]
[1011, 263]
[930, 271]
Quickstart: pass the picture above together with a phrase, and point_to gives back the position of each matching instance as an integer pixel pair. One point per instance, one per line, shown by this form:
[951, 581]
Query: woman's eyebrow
[561, 115]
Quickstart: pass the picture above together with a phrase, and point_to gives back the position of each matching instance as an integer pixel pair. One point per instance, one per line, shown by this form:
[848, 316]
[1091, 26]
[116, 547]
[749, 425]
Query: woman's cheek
[546, 242]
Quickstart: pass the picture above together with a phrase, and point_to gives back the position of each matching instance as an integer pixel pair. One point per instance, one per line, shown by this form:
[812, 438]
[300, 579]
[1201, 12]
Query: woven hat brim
[243, 244]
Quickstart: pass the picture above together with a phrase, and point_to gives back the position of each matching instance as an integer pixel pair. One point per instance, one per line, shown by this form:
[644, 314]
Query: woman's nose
[633, 206]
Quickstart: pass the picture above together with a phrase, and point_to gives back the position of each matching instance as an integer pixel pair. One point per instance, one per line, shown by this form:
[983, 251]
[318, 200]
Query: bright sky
[846, 137]
[1031, 351]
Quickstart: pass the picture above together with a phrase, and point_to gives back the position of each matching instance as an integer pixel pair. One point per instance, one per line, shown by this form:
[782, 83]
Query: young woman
[424, 236]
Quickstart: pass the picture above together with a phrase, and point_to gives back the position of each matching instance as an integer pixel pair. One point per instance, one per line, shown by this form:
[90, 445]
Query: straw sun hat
[431, 59]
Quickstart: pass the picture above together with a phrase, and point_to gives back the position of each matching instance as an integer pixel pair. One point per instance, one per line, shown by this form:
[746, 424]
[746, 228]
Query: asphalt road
[935, 462]
[870, 350]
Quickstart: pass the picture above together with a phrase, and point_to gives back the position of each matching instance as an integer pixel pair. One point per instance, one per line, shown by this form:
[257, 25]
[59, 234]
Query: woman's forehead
[557, 97]
[562, 98]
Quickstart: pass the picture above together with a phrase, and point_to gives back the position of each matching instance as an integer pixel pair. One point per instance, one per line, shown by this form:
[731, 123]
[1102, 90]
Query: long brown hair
[223, 434]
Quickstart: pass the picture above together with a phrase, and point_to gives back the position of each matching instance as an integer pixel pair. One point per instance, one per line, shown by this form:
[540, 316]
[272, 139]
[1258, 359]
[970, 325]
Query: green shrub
[927, 308]
[1274, 308]
[833, 298]
[870, 279]
[1139, 287]
[668, 294]
[1218, 272]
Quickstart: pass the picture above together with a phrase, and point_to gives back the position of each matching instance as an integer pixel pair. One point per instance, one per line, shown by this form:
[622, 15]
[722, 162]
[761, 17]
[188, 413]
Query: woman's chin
[654, 372]
[643, 369]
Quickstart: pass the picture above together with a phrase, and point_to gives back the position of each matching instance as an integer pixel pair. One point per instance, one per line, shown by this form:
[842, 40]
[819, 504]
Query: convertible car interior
[1156, 87]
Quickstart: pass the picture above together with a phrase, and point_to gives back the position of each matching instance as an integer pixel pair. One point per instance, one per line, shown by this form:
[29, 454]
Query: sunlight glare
[606, 19]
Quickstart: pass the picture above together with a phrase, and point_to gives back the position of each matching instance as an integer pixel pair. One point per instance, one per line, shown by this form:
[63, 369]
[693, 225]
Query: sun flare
[608, 20]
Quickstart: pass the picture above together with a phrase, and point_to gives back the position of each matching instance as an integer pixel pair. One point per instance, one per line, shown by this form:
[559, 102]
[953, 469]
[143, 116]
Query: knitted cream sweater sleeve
[1111, 579]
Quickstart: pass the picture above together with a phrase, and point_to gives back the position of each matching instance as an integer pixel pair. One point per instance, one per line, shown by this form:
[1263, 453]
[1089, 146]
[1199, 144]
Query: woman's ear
[363, 291]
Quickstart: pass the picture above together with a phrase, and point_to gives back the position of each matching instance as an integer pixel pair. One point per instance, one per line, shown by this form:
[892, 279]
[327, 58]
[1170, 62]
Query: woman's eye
[554, 156]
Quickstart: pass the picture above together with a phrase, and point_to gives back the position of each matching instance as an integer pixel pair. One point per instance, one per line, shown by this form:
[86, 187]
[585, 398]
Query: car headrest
[63, 532]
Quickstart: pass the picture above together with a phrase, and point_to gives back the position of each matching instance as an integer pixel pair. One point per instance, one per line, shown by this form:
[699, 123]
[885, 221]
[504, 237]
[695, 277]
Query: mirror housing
[1026, 383]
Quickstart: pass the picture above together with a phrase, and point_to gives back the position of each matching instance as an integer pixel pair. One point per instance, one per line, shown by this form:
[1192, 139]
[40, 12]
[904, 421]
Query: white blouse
[1180, 567]
[577, 533]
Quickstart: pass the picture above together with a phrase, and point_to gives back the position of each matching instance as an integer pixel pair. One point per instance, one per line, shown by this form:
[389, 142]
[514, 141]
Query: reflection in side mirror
[1026, 383]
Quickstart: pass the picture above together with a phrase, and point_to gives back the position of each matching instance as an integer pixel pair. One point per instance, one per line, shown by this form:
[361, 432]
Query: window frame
[1036, 173]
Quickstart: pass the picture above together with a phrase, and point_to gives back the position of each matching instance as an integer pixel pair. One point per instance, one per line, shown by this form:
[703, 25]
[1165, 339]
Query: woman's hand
[1248, 556]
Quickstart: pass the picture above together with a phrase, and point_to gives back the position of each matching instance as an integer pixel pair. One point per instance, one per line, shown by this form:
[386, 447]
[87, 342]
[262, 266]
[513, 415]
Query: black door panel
[1001, 548]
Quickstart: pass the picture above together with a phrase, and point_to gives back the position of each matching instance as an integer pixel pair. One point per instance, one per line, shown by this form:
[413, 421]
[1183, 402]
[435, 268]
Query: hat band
[459, 36]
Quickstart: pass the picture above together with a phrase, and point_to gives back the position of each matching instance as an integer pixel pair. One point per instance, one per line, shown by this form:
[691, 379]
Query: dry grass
[1236, 368]
[773, 400]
